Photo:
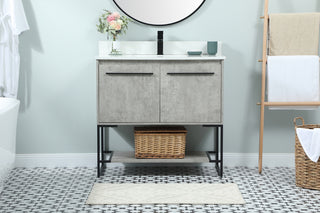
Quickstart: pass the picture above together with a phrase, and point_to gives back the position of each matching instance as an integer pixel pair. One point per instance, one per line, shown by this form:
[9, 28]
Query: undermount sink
[149, 48]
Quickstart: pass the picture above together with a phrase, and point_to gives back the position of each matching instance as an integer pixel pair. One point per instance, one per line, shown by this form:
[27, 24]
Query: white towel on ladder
[293, 79]
[310, 142]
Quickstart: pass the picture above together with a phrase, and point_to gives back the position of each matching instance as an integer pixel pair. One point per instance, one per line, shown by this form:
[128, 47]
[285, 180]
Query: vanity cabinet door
[128, 92]
[191, 92]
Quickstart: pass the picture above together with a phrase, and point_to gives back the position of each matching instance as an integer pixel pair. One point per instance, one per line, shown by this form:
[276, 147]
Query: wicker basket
[160, 142]
[307, 171]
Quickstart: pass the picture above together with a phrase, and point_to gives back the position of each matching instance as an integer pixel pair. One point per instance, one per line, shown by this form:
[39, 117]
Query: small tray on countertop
[193, 53]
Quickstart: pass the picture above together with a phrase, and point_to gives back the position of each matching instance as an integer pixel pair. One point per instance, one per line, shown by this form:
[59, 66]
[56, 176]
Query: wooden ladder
[264, 103]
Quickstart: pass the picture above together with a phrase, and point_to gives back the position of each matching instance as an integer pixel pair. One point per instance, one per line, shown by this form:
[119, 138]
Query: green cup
[212, 47]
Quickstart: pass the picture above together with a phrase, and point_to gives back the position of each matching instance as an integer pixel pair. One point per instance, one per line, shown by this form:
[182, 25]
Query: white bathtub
[9, 108]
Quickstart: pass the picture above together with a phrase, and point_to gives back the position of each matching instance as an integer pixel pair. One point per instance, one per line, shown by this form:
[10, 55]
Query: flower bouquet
[114, 25]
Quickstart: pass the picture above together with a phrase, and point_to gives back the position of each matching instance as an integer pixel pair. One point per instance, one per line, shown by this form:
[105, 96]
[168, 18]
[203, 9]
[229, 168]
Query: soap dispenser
[160, 43]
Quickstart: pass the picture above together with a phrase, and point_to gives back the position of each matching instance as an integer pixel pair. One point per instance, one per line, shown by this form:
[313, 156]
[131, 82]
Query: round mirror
[159, 12]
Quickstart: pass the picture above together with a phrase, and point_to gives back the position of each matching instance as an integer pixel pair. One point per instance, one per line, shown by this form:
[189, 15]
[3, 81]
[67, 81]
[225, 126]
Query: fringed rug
[149, 193]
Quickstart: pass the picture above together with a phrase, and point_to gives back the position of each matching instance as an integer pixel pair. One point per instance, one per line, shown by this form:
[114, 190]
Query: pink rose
[116, 15]
[112, 24]
[110, 18]
[118, 26]
[115, 25]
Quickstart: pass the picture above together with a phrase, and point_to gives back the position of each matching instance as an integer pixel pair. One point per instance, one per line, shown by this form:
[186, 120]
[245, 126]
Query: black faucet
[160, 43]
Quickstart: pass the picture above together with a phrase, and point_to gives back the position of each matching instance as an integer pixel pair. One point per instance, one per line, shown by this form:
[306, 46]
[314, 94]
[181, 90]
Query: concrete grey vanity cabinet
[128, 92]
[159, 91]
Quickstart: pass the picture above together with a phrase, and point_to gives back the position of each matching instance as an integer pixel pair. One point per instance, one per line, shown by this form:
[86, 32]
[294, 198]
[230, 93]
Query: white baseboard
[251, 159]
[90, 160]
[57, 160]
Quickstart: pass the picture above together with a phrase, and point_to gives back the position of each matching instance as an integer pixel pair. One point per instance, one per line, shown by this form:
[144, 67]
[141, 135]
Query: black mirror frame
[158, 25]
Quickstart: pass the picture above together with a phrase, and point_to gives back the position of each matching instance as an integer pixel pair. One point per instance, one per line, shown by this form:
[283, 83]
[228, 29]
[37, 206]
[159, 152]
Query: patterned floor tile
[67, 189]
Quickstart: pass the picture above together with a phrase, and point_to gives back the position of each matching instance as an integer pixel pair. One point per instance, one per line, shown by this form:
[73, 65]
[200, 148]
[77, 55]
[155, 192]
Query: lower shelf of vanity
[128, 157]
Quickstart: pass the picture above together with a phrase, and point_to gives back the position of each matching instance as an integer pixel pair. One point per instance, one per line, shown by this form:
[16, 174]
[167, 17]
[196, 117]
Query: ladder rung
[310, 103]
[262, 17]
[260, 60]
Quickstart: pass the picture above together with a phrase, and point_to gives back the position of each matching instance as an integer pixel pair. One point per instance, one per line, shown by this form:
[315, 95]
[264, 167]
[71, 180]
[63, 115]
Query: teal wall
[57, 81]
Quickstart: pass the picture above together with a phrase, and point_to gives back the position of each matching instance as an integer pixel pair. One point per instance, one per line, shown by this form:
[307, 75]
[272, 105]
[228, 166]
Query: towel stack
[293, 64]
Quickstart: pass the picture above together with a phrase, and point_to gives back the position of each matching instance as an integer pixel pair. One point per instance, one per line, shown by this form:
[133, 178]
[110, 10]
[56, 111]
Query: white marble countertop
[160, 57]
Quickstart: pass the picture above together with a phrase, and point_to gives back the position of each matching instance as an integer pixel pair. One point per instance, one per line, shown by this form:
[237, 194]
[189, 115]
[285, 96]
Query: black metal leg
[218, 153]
[216, 146]
[102, 150]
[221, 151]
[104, 156]
[98, 150]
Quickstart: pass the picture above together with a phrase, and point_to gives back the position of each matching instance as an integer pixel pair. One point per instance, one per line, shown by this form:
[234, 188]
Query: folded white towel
[310, 142]
[293, 79]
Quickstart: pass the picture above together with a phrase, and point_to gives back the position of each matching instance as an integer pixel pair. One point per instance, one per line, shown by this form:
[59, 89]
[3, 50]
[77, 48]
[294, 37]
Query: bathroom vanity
[160, 90]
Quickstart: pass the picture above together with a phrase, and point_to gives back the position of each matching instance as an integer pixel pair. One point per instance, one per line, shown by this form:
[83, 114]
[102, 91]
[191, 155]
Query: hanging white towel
[310, 142]
[293, 79]
[12, 23]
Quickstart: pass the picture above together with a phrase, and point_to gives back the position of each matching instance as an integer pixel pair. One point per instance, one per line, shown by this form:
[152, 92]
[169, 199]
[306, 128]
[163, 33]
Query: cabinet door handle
[129, 73]
[190, 73]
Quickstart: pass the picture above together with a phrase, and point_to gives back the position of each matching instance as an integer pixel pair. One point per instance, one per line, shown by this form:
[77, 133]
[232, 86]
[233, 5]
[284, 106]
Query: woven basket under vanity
[307, 171]
[160, 142]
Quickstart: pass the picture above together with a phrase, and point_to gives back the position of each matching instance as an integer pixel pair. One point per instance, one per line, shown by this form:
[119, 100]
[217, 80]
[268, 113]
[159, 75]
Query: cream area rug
[149, 193]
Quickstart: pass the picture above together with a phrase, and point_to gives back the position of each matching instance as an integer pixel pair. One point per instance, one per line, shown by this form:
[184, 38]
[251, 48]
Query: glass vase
[115, 47]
